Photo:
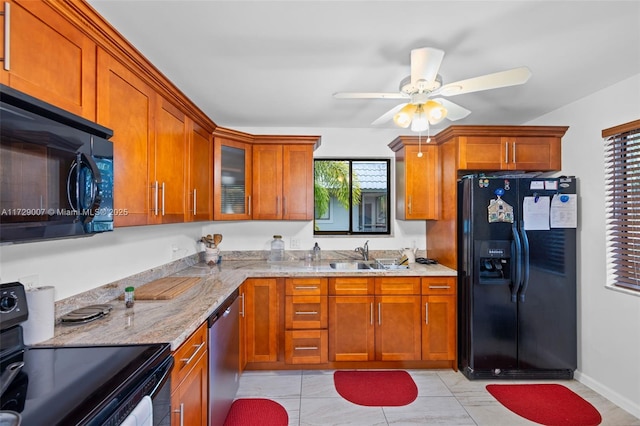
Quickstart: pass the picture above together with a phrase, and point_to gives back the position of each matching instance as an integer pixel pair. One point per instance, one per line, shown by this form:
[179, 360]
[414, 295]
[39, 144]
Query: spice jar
[128, 297]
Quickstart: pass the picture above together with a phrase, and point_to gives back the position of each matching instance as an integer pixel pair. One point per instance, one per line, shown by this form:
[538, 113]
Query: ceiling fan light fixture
[420, 123]
[404, 116]
[435, 111]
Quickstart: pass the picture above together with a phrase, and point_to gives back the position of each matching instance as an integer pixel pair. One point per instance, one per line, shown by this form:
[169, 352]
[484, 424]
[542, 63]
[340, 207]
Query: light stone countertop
[174, 320]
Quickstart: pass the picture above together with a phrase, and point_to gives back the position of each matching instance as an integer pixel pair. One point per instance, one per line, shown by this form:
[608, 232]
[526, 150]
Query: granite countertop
[174, 320]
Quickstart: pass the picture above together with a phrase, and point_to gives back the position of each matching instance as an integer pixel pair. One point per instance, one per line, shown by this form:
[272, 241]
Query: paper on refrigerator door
[564, 211]
[535, 213]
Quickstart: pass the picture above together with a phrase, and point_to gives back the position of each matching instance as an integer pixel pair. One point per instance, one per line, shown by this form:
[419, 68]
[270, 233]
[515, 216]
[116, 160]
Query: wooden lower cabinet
[439, 319]
[262, 319]
[190, 381]
[384, 326]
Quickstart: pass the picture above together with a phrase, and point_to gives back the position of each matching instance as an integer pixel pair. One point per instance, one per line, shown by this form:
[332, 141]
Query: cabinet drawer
[306, 312]
[439, 285]
[351, 286]
[188, 353]
[306, 286]
[397, 285]
[306, 346]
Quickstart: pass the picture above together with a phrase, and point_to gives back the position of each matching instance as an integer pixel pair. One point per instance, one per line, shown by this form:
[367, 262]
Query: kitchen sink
[366, 265]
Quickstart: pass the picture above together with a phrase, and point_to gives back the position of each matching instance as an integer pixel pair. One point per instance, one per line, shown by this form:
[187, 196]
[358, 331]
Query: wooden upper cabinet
[133, 137]
[283, 177]
[170, 164]
[492, 148]
[48, 57]
[232, 175]
[200, 191]
[417, 179]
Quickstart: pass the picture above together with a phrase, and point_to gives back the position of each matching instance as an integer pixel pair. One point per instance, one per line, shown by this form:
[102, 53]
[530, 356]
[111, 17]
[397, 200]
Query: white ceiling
[277, 63]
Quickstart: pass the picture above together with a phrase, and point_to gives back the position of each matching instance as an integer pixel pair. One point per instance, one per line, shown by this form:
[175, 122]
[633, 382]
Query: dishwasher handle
[223, 309]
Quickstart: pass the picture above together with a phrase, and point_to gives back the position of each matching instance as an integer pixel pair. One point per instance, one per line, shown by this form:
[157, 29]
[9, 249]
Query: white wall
[608, 321]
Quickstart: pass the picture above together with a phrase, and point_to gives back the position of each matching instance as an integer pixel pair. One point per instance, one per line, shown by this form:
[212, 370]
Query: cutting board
[165, 288]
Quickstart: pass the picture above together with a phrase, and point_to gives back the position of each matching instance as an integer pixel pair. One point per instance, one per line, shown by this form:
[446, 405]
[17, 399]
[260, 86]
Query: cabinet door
[438, 327]
[190, 400]
[49, 58]
[351, 330]
[232, 180]
[268, 200]
[482, 153]
[125, 105]
[200, 174]
[262, 307]
[534, 153]
[297, 182]
[397, 328]
[170, 163]
[417, 182]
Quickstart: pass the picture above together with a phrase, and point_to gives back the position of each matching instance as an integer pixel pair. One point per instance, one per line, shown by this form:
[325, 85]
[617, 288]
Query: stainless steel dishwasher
[224, 358]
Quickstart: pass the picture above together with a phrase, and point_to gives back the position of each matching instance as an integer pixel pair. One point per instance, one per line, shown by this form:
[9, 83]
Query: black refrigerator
[517, 277]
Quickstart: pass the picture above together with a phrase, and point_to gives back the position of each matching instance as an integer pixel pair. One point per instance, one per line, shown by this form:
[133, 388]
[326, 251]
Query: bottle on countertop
[277, 249]
[316, 253]
[128, 297]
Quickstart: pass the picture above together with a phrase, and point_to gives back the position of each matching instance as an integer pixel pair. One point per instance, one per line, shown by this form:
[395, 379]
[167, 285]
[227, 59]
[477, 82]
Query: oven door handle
[166, 371]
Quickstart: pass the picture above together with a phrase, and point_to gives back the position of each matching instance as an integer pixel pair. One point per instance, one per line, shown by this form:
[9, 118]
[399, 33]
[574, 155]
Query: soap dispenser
[316, 253]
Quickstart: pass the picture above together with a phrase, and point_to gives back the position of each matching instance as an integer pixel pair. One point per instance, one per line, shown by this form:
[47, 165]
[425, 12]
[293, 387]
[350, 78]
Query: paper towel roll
[39, 326]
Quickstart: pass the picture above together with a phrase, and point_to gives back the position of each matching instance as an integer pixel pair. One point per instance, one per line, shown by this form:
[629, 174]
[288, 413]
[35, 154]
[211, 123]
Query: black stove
[76, 385]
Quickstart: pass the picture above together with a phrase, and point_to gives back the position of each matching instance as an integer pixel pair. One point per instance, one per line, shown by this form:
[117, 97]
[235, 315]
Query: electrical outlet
[295, 243]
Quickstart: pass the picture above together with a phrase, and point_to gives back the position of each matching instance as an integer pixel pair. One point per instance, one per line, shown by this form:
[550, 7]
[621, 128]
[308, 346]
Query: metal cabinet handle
[410, 205]
[506, 152]
[188, 360]
[513, 146]
[426, 313]
[242, 305]
[195, 202]
[379, 313]
[306, 312]
[7, 36]
[163, 191]
[277, 205]
[181, 411]
[306, 348]
[439, 286]
[248, 205]
[371, 314]
[155, 198]
[306, 287]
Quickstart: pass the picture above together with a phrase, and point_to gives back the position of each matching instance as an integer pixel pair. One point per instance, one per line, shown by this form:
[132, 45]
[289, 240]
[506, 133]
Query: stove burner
[86, 314]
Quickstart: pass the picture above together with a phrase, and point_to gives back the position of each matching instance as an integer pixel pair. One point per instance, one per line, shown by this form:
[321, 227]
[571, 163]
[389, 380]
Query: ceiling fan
[423, 91]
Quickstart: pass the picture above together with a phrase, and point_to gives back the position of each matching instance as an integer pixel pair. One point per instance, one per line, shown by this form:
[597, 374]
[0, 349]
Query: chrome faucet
[364, 250]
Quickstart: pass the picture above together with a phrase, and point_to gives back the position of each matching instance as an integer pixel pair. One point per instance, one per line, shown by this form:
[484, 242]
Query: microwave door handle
[73, 184]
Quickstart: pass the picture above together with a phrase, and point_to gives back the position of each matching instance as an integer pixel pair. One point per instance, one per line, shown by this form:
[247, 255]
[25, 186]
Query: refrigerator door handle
[525, 262]
[517, 249]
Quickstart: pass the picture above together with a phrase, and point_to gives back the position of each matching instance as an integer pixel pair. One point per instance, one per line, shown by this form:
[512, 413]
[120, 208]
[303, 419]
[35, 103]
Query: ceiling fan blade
[496, 80]
[372, 95]
[425, 63]
[454, 111]
[389, 114]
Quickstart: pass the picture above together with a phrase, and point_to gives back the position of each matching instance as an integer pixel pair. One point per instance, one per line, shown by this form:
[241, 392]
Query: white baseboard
[626, 404]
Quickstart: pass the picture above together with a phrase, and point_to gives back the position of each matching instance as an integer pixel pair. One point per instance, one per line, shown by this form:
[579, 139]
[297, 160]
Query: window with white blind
[622, 193]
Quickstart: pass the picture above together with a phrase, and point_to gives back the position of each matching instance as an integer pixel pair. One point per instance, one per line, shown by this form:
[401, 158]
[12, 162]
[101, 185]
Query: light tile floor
[445, 397]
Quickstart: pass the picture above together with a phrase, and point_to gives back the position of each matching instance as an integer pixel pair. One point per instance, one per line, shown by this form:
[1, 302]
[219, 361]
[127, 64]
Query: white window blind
[622, 193]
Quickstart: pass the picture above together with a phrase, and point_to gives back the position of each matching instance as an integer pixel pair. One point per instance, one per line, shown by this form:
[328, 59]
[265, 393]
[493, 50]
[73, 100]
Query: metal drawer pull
[7, 36]
[188, 360]
[306, 287]
[163, 191]
[195, 202]
[181, 411]
[426, 313]
[379, 313]
[306, 312]
[306, 348]
[439, 286]
[371, 314]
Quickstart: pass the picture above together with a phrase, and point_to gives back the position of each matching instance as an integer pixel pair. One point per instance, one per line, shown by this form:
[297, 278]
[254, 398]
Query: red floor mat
[547, 404]
[376, 388]
[256, 412]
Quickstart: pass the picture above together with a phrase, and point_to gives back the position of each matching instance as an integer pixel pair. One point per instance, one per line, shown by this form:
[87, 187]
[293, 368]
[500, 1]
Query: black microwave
[56, 172]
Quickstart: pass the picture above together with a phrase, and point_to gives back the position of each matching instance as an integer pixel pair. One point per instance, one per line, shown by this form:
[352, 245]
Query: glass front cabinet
[232, 177]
